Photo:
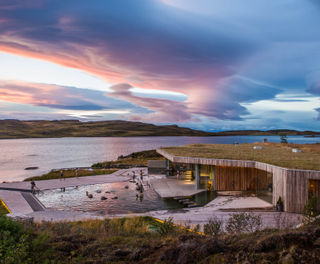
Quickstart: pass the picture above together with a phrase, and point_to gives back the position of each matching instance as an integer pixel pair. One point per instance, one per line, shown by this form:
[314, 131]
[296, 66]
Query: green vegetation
[122, 240]
[3, 210]
[311, 207]
[243, 223]
[75, 128]
[139, 240]
[272, 153]
[136, 159]
[55, 174]
[114, 128]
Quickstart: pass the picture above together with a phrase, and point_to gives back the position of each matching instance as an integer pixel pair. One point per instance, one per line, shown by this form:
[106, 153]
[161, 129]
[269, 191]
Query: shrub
[311, 207]
[13, 241]
[213, 227]
[243, 223]
[196, 228]
[167, 227]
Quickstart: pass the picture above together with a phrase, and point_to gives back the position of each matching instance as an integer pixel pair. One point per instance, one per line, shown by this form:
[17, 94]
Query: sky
[208, 64]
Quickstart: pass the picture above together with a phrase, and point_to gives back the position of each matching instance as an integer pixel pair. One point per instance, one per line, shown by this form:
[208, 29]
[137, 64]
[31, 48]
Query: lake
[55, 153]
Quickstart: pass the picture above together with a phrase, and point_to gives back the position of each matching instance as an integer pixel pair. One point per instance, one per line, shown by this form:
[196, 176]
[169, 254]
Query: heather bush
[243, 223]
[213, 227]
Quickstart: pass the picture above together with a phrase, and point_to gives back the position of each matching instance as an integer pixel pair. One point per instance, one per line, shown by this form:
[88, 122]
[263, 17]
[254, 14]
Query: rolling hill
[114, 128]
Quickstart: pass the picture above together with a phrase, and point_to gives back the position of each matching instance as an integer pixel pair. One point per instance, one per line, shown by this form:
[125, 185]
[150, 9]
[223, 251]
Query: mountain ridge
[11, 128]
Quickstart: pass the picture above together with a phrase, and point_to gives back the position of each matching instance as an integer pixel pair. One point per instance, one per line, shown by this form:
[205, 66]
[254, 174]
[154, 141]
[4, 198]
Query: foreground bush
[138, 240]
[213, 227]
[243, 223]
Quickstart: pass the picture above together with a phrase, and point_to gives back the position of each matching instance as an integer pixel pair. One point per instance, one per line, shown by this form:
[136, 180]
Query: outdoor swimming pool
[76, 199]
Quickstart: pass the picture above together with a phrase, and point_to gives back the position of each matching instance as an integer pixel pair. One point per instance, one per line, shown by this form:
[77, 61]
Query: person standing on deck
[141, 175]
[33, 187]
[133, 175]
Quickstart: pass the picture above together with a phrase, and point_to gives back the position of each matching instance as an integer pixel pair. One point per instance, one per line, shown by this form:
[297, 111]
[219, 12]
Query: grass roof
[272, 153]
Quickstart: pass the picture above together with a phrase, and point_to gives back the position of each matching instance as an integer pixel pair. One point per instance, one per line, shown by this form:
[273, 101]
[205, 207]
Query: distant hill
[114, 128]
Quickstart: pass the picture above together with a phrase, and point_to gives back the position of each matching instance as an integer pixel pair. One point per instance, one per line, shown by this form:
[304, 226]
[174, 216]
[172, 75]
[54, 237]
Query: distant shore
[16, 129]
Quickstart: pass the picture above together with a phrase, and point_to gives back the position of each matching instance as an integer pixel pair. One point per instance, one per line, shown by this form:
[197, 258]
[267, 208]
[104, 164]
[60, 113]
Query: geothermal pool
[76, 199]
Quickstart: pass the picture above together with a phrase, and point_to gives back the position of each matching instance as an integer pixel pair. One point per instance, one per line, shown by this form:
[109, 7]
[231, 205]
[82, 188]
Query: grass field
[272, 153]
[70, 174]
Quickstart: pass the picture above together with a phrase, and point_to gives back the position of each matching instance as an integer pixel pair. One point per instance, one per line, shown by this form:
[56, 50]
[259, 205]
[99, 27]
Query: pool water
[76, 199]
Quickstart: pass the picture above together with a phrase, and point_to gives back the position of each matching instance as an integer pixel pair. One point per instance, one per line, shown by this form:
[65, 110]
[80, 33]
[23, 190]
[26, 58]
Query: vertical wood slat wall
[240, 179]
[290, 184]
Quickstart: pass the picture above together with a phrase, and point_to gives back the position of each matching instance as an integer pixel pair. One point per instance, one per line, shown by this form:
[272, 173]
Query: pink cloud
[163, 110]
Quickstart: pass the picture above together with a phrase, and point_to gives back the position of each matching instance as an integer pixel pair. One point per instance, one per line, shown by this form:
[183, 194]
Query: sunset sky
[206, 64]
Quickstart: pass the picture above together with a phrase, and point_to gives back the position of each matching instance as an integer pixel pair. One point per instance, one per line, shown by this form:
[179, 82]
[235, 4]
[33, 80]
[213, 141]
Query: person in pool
[141, 175]
[141, 196]
[61, 175]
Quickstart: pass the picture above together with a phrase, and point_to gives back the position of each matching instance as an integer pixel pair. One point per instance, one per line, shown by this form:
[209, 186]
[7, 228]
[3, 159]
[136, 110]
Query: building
[268, 181]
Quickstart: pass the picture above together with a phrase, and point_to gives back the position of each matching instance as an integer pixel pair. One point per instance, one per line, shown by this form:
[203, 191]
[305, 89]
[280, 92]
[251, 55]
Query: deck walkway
[117, 176]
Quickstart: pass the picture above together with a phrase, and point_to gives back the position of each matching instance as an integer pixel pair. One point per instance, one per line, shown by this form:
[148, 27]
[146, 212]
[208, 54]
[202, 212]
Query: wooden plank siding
[240, 179]
[290, 184]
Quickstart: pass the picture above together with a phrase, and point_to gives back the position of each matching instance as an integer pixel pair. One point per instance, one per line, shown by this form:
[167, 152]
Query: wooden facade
[290, 184]
[241, 179]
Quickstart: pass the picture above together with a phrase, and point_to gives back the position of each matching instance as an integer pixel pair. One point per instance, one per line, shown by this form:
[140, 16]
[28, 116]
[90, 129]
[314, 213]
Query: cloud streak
[220, 57]
[58, 97]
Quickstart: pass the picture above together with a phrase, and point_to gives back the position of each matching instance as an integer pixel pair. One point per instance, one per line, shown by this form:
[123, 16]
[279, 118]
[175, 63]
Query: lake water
[55, 153]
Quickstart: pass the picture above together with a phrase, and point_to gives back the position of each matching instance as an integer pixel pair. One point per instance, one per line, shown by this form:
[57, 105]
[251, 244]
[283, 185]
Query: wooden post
[213, 178]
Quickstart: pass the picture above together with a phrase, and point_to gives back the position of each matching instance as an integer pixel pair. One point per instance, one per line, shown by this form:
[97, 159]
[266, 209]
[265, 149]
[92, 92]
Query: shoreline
[156, 136]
